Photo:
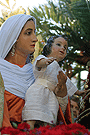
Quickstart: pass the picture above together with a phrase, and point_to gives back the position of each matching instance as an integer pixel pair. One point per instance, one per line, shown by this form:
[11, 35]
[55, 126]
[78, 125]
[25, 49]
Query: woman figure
[44, 93]
[17, 41]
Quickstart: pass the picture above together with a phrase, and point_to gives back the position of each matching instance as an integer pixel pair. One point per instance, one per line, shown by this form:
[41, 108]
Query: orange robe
[65, 119]
[13, 106]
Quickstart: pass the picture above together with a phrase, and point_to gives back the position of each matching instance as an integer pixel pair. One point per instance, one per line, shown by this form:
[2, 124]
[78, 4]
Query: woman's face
[59, 49]
[26, 42]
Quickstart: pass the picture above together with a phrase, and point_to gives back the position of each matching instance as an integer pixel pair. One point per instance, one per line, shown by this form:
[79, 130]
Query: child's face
[59, 49]
[75, 108]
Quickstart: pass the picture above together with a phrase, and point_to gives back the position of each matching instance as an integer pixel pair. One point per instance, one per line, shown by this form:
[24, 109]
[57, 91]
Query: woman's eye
[28, 33]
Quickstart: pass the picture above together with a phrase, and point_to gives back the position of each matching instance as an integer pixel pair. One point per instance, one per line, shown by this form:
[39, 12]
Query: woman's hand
[61, 89]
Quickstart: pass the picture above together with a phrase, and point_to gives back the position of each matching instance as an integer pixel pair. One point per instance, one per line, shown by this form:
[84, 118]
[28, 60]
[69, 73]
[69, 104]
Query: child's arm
[42, 63]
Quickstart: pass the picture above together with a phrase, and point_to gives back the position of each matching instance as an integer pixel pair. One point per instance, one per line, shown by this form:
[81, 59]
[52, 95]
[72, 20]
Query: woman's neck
[16, 59]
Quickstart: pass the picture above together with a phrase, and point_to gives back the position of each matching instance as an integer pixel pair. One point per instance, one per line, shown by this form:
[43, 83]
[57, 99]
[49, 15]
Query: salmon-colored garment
[13, 106]
[65, 119]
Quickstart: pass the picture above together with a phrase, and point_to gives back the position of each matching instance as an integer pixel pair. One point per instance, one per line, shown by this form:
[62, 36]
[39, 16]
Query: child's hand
[42, 63]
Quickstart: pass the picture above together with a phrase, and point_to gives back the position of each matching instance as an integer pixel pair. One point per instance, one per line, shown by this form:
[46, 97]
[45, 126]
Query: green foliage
[81, 12]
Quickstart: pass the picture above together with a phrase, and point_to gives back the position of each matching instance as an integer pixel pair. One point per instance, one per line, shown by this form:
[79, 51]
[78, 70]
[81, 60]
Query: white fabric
[16, 79]
[40, 101]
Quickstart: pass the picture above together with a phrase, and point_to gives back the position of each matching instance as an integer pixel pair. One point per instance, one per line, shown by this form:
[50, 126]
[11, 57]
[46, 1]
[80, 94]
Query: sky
[24, 3]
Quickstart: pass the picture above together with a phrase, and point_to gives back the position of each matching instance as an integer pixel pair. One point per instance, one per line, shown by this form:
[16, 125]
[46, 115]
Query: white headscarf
[10, 31]
[16, 80]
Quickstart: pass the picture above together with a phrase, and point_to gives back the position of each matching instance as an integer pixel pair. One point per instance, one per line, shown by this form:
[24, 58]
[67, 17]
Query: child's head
[56, 47]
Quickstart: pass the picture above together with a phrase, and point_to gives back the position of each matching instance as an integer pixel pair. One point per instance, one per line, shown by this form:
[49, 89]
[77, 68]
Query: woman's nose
[35, 39]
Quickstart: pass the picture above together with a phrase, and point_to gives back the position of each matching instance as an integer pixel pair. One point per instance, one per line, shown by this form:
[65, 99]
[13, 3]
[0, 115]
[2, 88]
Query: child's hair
[47, 48]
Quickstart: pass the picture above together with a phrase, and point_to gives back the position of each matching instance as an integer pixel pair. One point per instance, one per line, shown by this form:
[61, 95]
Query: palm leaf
[4, 5]
[7, 1]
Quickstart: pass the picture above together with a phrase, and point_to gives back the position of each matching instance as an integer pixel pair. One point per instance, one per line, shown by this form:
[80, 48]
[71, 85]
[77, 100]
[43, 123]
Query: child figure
[43, 97]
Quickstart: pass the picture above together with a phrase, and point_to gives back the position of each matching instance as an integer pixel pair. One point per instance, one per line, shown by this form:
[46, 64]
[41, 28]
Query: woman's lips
[33, 45]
